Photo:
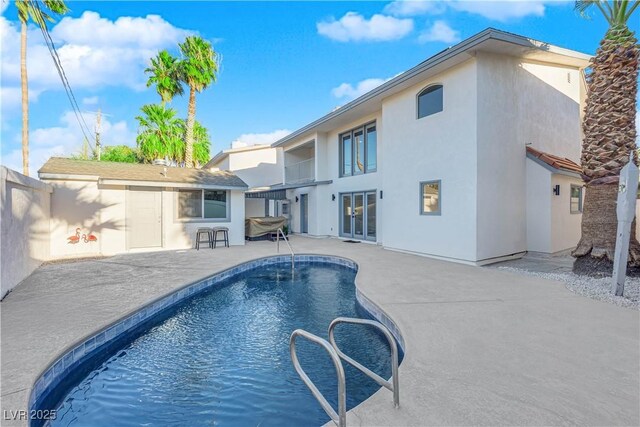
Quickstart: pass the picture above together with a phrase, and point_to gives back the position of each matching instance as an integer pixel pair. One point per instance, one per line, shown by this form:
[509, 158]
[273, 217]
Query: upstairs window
[358, 151]
[430, 101]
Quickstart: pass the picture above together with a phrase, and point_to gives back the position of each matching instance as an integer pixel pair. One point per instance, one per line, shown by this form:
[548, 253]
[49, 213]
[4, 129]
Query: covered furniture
[261, 226]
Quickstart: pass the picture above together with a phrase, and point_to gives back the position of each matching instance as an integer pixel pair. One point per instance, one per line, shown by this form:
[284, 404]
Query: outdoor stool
[225, 236]
[207, 232]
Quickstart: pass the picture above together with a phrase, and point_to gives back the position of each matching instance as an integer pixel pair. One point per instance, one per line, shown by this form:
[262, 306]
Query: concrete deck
[484, 346]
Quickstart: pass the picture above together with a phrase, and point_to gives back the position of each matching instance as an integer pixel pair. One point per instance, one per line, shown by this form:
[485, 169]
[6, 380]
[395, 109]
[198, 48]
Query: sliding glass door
[358, 215]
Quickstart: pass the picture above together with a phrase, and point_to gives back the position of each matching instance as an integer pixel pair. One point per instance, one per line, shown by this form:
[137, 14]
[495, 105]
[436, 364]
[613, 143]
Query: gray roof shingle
[139, 172]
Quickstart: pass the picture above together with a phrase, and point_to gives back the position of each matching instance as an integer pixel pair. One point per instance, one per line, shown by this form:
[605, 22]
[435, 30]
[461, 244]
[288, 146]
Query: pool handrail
[392, 385]
[278, 233]
[339, 417]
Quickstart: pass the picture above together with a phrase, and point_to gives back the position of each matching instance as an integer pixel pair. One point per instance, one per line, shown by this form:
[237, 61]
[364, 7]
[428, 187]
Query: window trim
[421, 195]
[421, 92]
[201, 219]
[580, 199]
[351, 133]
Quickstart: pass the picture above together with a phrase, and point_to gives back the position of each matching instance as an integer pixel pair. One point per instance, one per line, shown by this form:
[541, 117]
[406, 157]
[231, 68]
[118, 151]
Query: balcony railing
[300, 171]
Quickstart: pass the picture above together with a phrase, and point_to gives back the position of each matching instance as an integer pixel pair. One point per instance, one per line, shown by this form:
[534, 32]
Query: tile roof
[560, 163]
[138, 172]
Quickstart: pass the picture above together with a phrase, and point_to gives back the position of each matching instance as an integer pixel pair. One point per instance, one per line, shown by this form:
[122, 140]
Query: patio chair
[208, 232]
[225, 236]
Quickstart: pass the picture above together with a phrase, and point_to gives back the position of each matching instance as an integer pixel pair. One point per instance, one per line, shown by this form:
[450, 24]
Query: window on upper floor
[430, 101]
[358, 150]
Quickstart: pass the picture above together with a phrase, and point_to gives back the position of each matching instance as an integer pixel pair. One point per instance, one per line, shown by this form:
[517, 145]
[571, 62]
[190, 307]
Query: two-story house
[472, 156]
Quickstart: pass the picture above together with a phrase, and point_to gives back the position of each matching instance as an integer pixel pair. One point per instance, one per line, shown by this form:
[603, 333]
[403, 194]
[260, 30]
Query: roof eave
[462, 47]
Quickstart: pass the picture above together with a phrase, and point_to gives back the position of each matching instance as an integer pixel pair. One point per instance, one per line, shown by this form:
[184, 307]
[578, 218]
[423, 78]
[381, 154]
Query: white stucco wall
[437, 147]
[538, 208]
[24, 238]
[565, 226]
[102, 211]
[519, 103]
[254, 208]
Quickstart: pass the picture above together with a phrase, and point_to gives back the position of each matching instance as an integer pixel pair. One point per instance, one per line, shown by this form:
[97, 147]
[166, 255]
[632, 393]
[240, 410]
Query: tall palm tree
[159, 134]
[38, 11]
[164, 74]
[201, 144]
[198, 69]
[609, 136]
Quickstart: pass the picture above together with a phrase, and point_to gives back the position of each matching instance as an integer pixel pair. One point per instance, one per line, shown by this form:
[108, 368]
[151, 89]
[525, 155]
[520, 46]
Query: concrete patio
[484, 346]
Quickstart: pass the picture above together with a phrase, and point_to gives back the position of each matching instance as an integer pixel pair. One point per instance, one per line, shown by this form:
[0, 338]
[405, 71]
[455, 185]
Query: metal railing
[300, 171]
[278, 233]
[339, 417]
[392, 385]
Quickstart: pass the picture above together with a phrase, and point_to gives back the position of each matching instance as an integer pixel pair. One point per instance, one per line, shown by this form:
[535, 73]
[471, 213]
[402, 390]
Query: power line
[63, 77]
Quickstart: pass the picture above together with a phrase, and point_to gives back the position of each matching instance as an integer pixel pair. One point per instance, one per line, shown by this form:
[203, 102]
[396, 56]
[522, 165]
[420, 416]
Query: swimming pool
[221, 356]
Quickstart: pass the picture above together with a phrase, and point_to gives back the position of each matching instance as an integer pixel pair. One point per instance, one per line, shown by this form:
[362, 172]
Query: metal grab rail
[392, 385]
[340, 417]
[278, 233]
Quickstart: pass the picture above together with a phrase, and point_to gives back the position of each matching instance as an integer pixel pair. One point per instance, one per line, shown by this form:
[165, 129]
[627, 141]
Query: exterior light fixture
[333, 197]
[380, 194]
[296, 199]
[556, 190]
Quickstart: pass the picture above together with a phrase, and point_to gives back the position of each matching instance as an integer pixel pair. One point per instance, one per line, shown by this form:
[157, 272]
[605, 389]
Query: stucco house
[137, 207]
[452, 159]
[257, 165]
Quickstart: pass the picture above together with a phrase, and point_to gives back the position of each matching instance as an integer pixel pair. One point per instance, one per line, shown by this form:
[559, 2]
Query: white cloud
[4, 4]
[354, 27]
[502, 11]
[349, 92]
[440, 31]
[414, 7]
[94, 51]
[91, 100]
[65, 139]
[248, 139]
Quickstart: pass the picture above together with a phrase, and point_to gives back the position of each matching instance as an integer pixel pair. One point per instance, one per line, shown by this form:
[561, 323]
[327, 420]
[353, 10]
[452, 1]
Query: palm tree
[164, 74]
[159, 134]
[609, 136]
[201, 144]
[39, 12]
[198, 69]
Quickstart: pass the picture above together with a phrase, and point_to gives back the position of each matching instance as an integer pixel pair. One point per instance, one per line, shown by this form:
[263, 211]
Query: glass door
[345, 212]
[358, 215]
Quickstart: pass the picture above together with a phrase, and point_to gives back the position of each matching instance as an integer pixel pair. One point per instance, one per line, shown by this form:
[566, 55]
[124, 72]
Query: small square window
[576, 199]
[430, 198]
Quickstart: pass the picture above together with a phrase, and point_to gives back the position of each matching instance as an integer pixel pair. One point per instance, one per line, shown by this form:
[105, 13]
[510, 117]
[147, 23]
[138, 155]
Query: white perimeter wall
[24, 242]
[519, 103]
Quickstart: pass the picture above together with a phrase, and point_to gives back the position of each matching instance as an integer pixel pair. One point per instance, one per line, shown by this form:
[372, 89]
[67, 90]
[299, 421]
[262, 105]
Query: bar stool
[206, 231]
[225, 236]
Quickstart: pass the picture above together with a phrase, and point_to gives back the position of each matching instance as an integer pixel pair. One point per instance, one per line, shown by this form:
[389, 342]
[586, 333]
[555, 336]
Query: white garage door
[144, 218]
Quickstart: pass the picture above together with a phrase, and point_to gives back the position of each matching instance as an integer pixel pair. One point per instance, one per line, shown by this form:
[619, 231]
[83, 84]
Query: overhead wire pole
[98, 147]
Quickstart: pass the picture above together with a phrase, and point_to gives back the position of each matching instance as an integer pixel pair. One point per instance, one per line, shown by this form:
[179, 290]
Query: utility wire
[63, 77]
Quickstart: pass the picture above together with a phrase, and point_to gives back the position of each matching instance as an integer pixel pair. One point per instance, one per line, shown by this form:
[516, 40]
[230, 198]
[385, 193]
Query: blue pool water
[222, 357]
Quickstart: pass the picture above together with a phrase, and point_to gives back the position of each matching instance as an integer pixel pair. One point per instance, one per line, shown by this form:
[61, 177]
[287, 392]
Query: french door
[358, 215]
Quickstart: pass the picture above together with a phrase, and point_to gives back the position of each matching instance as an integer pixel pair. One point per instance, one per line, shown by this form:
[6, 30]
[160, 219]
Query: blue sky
[284, 63]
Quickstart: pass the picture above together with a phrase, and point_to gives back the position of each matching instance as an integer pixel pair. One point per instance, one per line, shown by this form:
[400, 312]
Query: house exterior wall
[257, 167]
[437, 147]
[24, 243]
[519, 103]
[539, 194]
[102, 211]
[565, 226]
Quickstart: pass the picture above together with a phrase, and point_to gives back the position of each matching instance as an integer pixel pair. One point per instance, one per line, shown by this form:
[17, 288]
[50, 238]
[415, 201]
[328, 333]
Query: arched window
[430, 101]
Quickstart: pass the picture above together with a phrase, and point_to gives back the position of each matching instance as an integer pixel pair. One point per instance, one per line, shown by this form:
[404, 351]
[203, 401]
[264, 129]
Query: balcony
[301, 171]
